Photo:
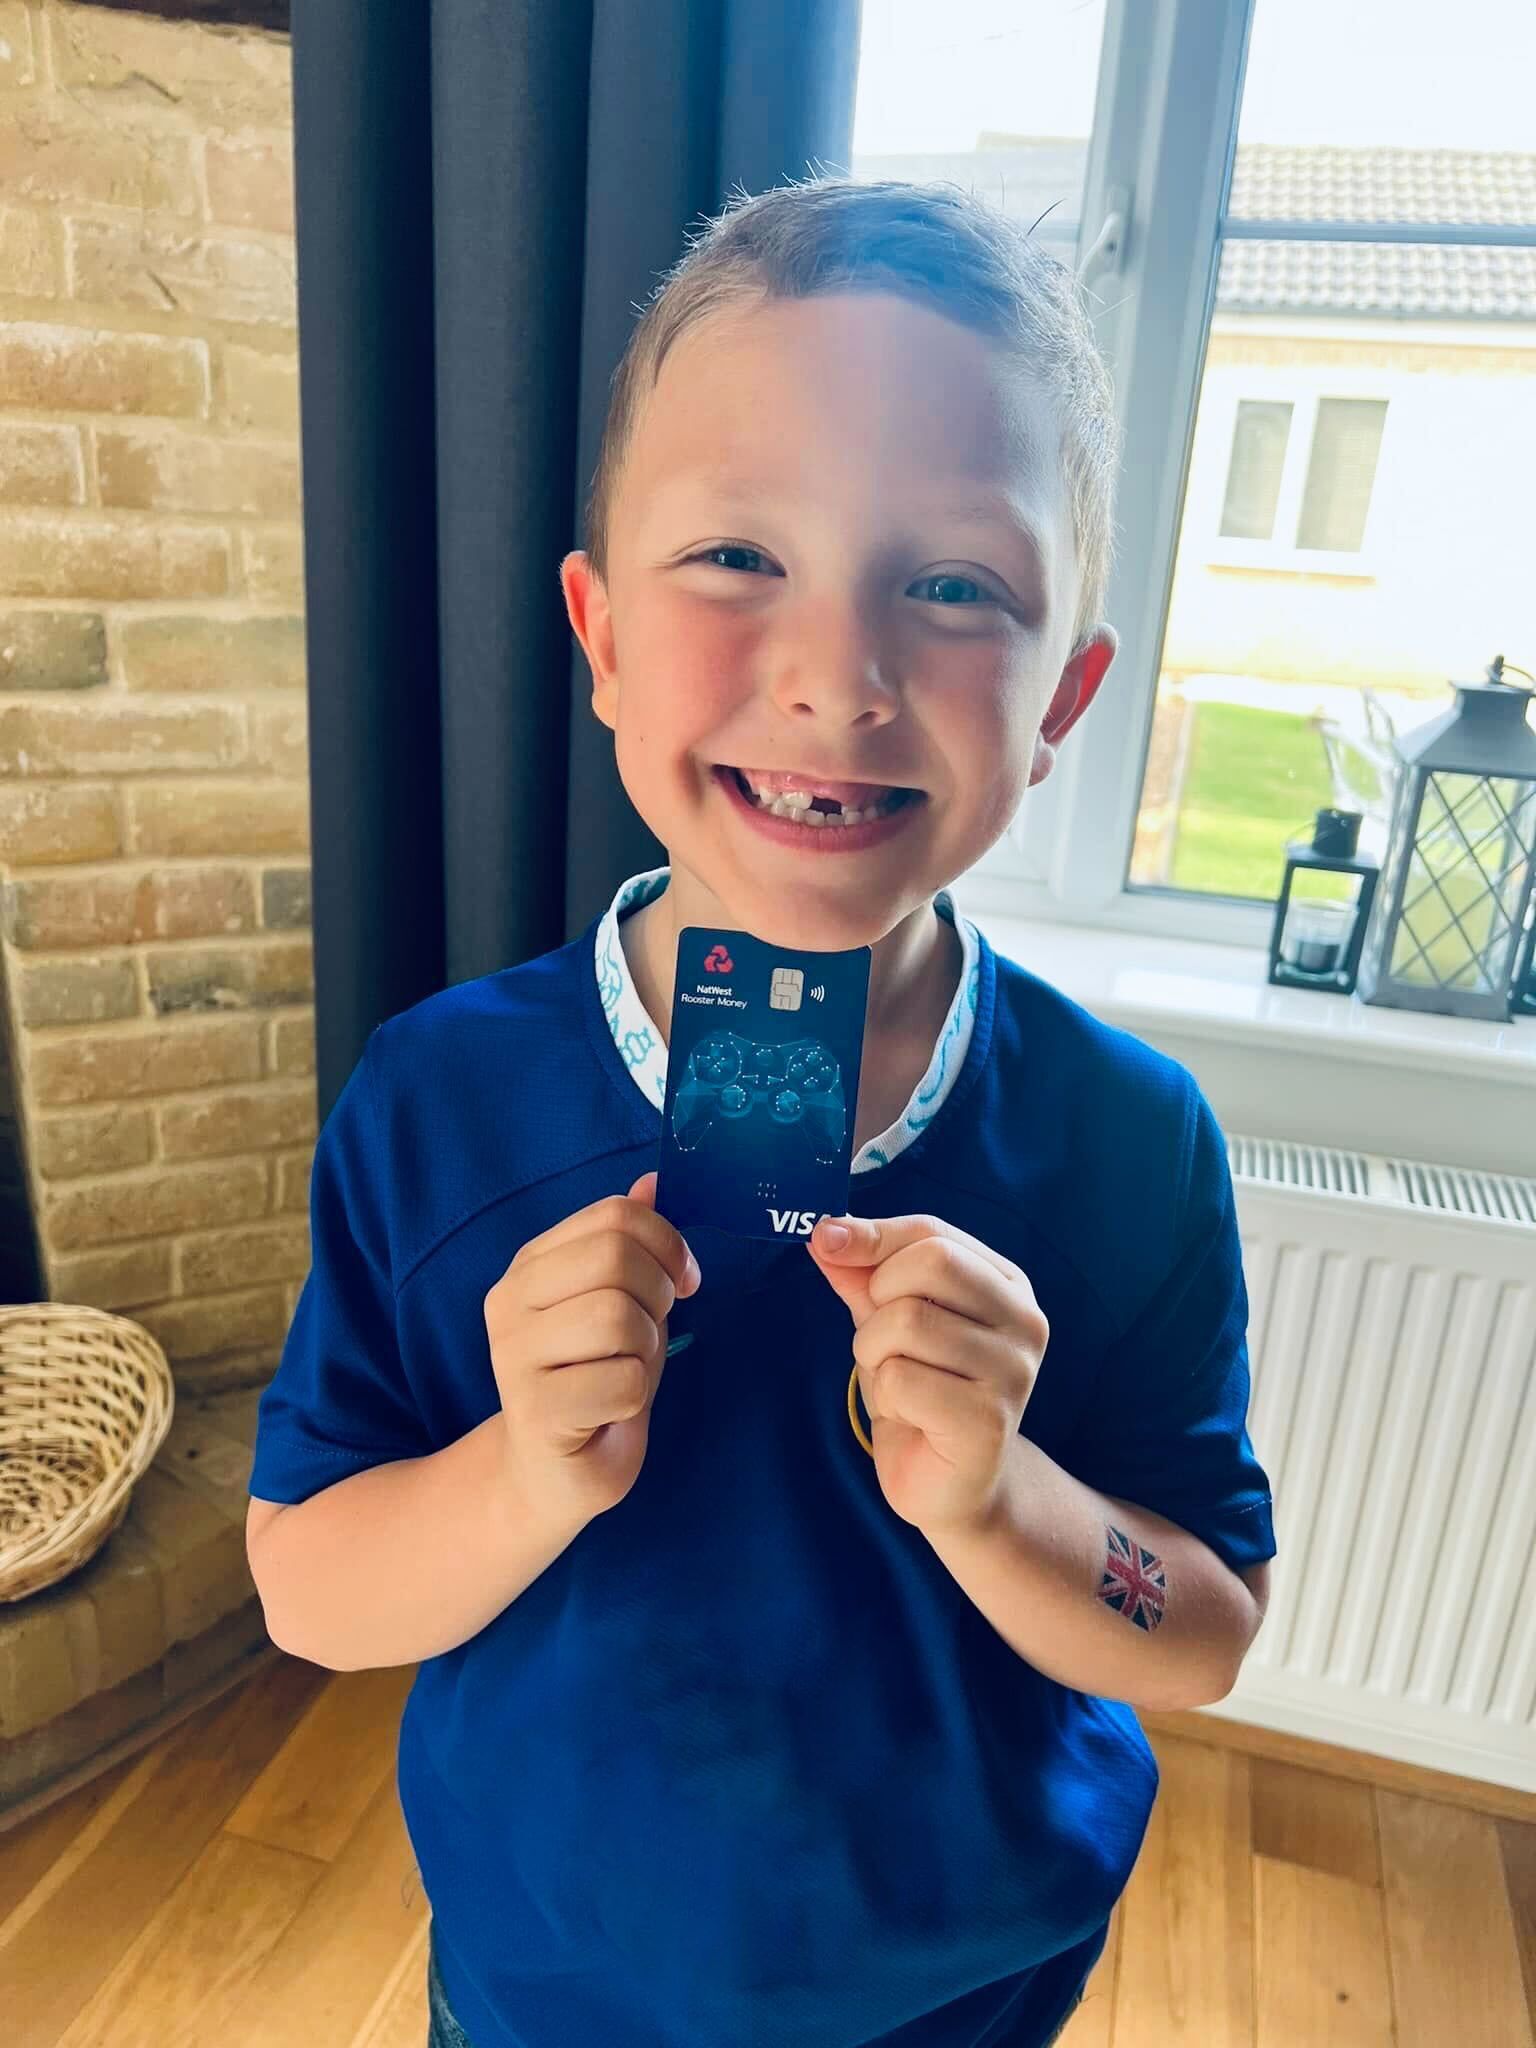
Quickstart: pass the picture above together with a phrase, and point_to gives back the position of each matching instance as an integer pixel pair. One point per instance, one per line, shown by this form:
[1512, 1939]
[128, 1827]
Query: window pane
[996, 95]
[1341, 472]
[1283, 678]
[1258, 463]
[1361, 93]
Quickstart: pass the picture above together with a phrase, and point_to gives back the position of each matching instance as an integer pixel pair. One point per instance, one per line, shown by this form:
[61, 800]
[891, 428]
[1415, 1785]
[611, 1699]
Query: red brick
[104, 1066]
[43, 823]
[51, 368]
[189, 651]
[48, 555]
[174, 471]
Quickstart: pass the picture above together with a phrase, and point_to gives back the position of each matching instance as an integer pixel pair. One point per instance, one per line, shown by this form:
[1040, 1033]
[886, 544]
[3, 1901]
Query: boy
[740, 1722]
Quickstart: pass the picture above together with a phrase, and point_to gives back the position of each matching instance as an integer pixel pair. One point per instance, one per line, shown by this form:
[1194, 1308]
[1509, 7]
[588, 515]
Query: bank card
[763, 1066]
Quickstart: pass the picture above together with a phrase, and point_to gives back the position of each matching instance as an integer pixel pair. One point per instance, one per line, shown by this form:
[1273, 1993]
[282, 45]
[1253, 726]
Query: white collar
[644, 1051]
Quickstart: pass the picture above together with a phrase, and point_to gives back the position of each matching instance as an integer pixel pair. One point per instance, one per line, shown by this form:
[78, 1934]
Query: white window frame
[1153, 223]
[1302, 390]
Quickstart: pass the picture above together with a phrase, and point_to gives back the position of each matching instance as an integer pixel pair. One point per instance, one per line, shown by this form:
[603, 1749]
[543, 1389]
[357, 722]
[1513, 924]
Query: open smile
[819, 824]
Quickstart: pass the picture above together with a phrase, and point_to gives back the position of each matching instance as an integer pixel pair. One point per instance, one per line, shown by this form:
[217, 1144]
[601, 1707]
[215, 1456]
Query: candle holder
[1457, 880]
[1324, 907]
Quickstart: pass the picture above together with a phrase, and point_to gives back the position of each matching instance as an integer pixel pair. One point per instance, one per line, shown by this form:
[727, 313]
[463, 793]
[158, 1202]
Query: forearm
[1035, 1570]
[404, 1560]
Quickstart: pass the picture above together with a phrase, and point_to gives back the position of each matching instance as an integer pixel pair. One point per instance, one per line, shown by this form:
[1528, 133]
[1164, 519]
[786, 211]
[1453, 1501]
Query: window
[1320, 313]
[1259, 438]
[1299, 479]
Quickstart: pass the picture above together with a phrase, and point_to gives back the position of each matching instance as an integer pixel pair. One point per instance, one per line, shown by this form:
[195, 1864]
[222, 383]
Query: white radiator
[1393, 1345]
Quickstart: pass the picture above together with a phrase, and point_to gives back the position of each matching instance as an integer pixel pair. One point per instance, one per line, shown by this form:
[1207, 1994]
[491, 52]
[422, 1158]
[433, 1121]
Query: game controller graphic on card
[757, 1123]
[730, 1078]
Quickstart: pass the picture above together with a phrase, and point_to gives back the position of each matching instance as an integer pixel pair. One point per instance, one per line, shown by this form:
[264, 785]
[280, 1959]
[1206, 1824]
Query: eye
[953, 592]
[735, 555]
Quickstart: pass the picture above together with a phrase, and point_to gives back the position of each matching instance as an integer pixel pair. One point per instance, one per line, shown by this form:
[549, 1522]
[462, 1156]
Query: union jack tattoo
[1134, 1582]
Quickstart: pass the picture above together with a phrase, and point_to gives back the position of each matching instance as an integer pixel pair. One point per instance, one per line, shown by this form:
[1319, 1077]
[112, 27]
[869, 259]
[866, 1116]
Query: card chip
[785, 990]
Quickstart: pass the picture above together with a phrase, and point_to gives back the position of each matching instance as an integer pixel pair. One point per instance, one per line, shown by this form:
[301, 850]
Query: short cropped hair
[934, 244]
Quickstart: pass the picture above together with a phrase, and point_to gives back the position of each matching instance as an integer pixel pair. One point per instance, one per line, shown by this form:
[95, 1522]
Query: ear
[1079, 685]
[591, 617]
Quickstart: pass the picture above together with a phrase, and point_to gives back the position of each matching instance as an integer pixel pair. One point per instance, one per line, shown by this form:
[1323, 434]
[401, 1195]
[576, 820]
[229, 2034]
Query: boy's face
[841, 545]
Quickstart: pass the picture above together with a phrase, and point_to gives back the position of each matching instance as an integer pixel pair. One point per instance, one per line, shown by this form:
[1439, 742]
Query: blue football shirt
[744, 1765]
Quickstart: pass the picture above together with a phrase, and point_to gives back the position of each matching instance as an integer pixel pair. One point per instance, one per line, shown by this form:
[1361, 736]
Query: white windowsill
[1219, 992]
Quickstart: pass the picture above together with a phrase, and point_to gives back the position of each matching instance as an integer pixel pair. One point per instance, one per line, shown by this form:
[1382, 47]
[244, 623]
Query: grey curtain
[484, 193]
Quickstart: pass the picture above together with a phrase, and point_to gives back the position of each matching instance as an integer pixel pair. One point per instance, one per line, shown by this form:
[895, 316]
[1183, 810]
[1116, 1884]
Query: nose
[827, 664]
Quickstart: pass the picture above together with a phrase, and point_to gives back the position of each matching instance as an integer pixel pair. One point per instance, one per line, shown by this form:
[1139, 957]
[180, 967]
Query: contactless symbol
[718, 961]
[785, 988]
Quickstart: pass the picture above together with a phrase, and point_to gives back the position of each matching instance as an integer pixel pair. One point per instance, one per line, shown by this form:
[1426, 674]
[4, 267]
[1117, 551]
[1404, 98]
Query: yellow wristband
[853, 1411]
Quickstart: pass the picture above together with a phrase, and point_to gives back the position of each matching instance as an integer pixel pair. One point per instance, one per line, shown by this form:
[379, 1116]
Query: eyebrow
[1000, 512]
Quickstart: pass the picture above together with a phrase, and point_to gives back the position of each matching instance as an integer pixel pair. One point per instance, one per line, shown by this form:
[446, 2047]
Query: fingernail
[833, 1235]
[692, 1273]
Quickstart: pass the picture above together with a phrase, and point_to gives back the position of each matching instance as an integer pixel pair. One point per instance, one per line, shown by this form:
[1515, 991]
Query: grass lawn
[1253, 782]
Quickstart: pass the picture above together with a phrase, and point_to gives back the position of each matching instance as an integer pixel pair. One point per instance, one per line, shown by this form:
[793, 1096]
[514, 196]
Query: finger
[947, 1410]
[939, 1339]
[873, 1238]
[617, 1222]
[607, 1323]
[951, 1272]
[586, 1395]
[611, 1259]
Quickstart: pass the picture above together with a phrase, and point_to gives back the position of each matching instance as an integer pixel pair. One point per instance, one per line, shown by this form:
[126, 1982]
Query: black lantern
[1324, 907]
[1460, 857]
[1522, 1001]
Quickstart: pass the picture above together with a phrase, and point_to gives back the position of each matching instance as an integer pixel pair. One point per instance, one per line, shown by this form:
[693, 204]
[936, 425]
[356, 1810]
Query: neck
[913, 969]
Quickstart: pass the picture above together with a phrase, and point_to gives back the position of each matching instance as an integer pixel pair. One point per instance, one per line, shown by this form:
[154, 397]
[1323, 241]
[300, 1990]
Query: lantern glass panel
[1462, 892]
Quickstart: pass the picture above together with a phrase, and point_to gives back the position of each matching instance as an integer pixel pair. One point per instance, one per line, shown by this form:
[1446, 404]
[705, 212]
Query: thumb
[846, 1240]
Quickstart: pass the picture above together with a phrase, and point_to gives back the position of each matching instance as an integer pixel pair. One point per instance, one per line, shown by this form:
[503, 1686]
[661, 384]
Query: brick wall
[155, 951]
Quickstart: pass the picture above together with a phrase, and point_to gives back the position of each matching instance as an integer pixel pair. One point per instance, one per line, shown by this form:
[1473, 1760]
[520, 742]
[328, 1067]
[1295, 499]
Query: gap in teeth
[796, 803]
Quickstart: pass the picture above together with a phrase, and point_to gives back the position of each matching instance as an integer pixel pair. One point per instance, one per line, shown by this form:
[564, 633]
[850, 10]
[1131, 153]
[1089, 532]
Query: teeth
[796, 804]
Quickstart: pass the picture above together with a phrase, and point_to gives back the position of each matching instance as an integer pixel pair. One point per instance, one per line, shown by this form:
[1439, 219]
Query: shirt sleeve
[1167, 1426]
[340, 1399]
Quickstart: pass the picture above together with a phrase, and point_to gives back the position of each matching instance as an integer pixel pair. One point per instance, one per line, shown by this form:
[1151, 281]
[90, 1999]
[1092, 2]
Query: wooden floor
[248, 1883]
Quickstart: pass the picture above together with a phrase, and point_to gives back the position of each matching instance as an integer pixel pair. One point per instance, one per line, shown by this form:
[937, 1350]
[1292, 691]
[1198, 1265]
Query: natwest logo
[793, 1222]
[718, 961]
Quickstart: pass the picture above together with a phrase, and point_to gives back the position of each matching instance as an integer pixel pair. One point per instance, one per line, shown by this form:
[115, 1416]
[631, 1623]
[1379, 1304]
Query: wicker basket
[85, 1401]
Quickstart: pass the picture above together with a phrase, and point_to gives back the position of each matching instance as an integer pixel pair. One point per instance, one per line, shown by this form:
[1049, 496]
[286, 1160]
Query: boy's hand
[948, 1338]
[578, 1334]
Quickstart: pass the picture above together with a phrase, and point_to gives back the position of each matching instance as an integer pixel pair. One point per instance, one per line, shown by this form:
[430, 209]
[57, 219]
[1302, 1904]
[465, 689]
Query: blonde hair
[934, 244]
